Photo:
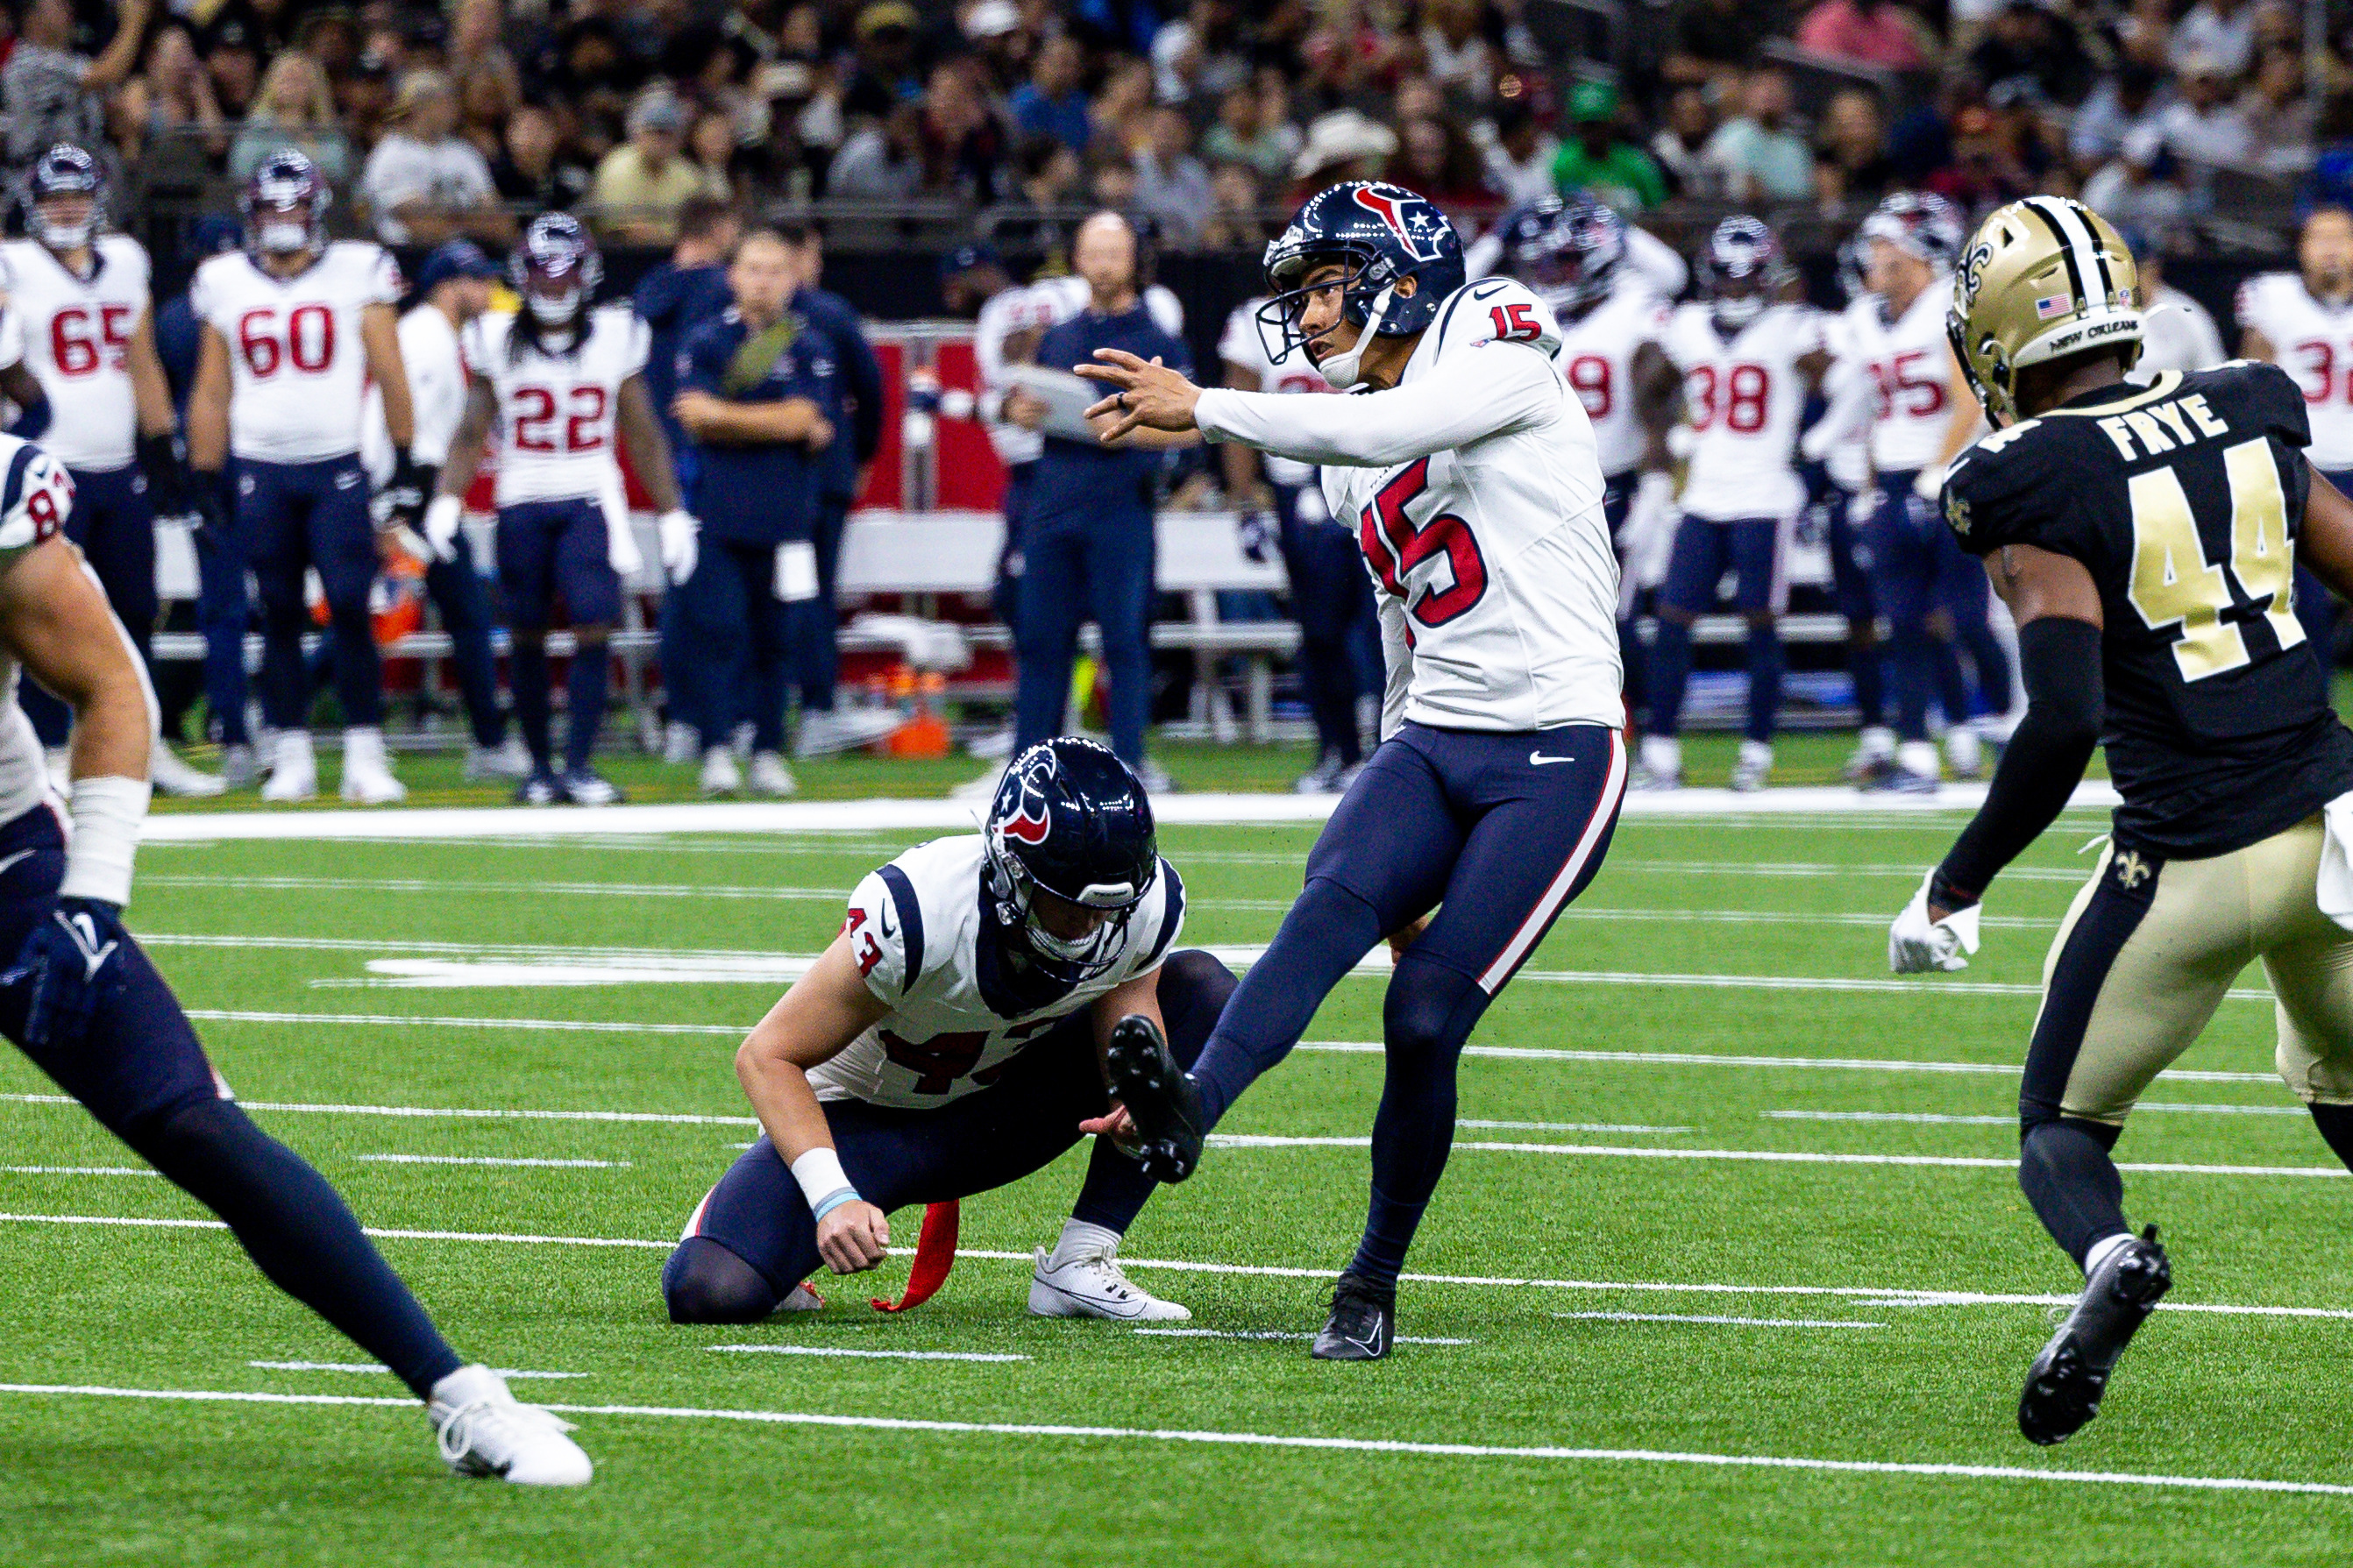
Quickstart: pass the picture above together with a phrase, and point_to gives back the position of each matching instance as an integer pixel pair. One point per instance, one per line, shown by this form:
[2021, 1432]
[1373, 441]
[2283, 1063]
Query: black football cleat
[1363, 1322]
[2064, 1385]
[1163, 1101]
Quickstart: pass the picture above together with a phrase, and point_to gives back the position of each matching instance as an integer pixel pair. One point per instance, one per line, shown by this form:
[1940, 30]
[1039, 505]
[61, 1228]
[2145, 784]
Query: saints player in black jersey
[2145, 538]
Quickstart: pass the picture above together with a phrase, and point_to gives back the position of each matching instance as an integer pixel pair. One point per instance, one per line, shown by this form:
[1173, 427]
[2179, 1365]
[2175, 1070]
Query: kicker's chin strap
[1343, 370]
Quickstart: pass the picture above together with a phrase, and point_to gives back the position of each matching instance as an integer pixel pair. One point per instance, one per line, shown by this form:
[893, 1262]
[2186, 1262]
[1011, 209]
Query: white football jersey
[436, 368]
[914, 928]
[556, 411]
[1743, 398]
[298, 371]
[1597, 354]
[1911, 369]
[1240, 344]
[1845, 385]
[78, 333]
[2312, 341]
[36, 494]
[1476, 495]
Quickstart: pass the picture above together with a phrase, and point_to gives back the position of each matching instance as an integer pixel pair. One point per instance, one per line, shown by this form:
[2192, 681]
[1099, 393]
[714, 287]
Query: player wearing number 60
[1467, 466]
[2146, 539]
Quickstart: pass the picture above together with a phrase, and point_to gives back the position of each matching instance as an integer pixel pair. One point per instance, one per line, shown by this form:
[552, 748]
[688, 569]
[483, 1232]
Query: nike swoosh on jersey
[1497, 288]
[1538, 760]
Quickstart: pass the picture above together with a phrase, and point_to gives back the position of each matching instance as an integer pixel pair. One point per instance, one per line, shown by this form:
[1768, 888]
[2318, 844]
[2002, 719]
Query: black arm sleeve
[2059, 658]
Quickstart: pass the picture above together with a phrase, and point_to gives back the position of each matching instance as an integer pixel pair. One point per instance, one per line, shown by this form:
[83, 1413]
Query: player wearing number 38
[2145, 538]
[1467, 466]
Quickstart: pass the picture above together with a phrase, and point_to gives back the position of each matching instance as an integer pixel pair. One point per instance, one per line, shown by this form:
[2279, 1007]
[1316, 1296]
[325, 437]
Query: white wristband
[443, 512]
[822, 1180]
[107, 814]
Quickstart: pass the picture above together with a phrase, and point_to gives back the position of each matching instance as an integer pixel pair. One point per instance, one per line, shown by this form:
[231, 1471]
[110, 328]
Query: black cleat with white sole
[1363, 1322]
[2065, 1386]
[1162, 1101]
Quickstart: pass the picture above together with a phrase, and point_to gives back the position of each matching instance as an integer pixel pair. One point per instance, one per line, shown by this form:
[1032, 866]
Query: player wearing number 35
[1468, 469]
[2145, 538]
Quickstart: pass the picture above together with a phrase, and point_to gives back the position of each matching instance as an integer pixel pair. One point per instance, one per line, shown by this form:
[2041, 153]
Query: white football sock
[1662, 754]
[2100, 1248]
[1079, 1239]
[1919, 757]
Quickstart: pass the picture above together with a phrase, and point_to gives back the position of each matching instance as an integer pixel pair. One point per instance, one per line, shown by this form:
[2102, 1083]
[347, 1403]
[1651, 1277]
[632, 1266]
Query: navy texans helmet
[1379, 234]
[285, 205]
[1568, 251]
[1918, 223]
[62, 197]
[555, 268]
[1072, 821]
[1742, 270]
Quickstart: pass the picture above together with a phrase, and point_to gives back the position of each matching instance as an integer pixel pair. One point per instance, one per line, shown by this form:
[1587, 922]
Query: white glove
[1915, 944]
[678, 531]
[1650, 535]
[442, 521]
[1929, 484]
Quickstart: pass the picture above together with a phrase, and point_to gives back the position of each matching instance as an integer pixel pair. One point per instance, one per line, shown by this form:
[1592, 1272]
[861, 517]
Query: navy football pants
[743, 635]
[1076, 567]
[1752, 548]
[1503, 829]
[753, 1237]
[548, 552]
[141, 1071]
[1936, 600]
[290, 517]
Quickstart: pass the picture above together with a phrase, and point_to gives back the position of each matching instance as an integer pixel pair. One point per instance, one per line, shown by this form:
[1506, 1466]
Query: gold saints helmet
[2041, 278]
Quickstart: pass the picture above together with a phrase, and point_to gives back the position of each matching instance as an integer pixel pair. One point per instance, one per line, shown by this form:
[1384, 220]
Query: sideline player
[2303, 322]
[947, 1042]
[1331, 597]
[82, 295]
[293, 329]
[559, 379]
[1748, 361]
[2145, 537]
[453, 287]
[1573, 254]
[85, 1003]
[1468, 466]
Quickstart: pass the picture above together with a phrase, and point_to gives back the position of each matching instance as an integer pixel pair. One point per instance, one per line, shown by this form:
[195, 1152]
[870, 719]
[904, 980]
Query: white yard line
[369, 1366]
[1566, 1126]
[1767, 1156]
[79, 1170]
[1713, 1317]
[405, 1021]
[485, 1159]
[864, 1355]
[1265, 1440]
[1279, 1334]
[1923, 1116]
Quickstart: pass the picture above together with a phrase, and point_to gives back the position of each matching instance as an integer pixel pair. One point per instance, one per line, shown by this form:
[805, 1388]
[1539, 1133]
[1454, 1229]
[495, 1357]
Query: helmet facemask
[1019, 904]
[1363, 284]
[65, 220]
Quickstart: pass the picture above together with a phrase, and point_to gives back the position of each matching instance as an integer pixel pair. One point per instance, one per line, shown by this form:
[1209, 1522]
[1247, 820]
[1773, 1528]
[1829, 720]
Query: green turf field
[1726, 1195]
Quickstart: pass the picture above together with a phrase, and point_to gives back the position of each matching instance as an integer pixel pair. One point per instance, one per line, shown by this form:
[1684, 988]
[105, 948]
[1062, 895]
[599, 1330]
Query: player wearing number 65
[1467, 466]
[2146, 539]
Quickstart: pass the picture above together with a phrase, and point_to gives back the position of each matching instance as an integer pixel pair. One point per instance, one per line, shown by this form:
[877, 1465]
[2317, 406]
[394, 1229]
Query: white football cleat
[482, 1430]
[1755, 766]
[368, 770]
[294, 768]
[769, 776]
[170, 776]
[490, 764]
[240, 768]
[1090, 1285]
[719, 774]
[681, 743]
[826, 732]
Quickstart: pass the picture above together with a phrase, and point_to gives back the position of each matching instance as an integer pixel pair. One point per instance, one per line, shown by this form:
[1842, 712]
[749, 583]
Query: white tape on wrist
[823, 1182]
[107, 814]
[442, 516]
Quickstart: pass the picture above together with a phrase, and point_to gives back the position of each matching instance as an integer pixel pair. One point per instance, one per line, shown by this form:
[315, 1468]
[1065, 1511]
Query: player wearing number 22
[559, 380]
[293, 330]
[1468, 464]
[2145, 538]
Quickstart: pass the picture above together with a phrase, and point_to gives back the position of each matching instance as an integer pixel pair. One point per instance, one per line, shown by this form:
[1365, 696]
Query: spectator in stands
[1196, 58]
[1088, 546]
[1618, 173]
[535, 171]
[1006, 46]
[642, 183]
[1051, 103]
[1235, 223]
[1983, 172]
[2024, 39]
[747, 399]
[883, 73]
[1051, 174]
[233, 65]
[2140, 188]
[1759, 155]
[426, 184]
[1518, 152]
[1171, 184]
[1875, 33]
[50, 94]
[2219, 35]
[711, 147]
[2278, 115]
[1851, 170]
[1682, 143]
[881, 162]
[363, 98]
[1111, 180]
[1455, 49]
[1124, 98]
[850, 395]
[1239, 136]
[489, 92]
[963, 140]
[1341, 145]
[2131, 97]
[1712, 42]
[294, 108]
[171, 100]
[2203, 128]
[1439, 162]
